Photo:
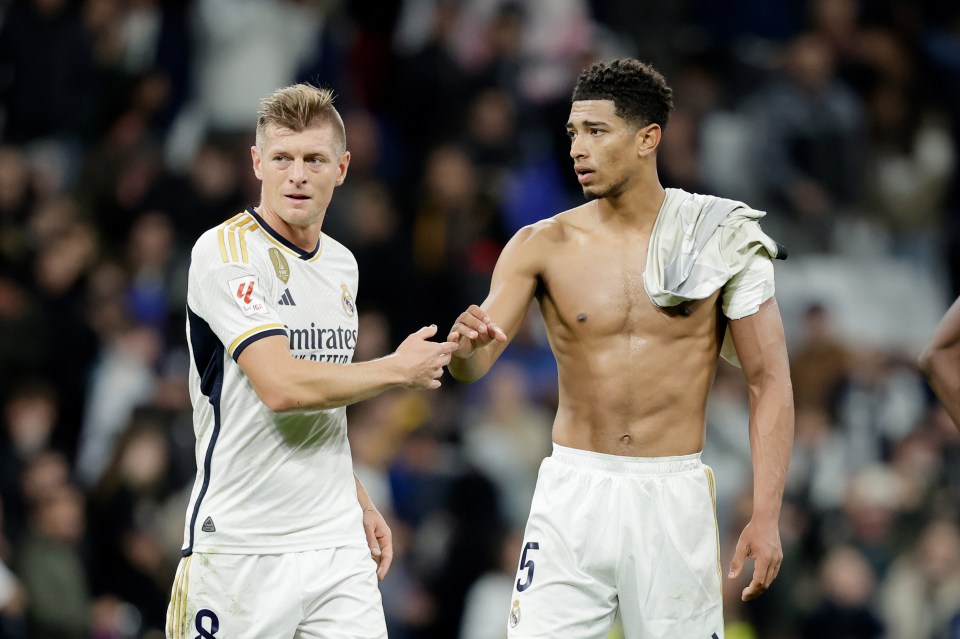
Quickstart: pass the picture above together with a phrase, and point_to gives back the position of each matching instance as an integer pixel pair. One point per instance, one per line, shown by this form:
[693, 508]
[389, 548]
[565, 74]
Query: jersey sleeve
[752, 286]
[232, 296]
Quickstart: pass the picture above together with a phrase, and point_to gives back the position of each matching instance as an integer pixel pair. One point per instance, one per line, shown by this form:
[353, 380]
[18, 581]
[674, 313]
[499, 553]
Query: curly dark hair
[640, 94]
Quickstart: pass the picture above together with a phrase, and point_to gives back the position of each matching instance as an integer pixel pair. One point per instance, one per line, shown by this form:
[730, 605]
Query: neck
[635, 207]
[303, 237]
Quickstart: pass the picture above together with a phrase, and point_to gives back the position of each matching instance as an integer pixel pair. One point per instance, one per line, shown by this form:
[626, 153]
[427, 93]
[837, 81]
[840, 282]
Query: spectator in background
[847, 583]
[507, 439]
[820, 363]
[210, 191]
[33, 97]
[489, 595]
[122, 380]
[810, 140]
[125, 513]
[921, 594]
[30, 416]
[455, 223]
[50, 565]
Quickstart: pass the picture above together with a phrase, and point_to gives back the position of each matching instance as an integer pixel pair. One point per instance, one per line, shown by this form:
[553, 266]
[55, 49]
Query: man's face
[603, 147]
[299, 171]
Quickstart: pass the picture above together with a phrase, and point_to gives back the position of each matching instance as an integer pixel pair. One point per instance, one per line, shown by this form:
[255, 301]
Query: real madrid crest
[347, 301]
[515, 613]
[280, 265]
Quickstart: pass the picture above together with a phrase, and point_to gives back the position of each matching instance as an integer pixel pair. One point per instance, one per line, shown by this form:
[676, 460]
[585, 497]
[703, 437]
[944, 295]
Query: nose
[577, 148]
[298, 174]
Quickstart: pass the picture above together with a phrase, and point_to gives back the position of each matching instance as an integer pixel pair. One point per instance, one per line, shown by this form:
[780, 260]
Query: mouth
[583, 174]
[297, 197]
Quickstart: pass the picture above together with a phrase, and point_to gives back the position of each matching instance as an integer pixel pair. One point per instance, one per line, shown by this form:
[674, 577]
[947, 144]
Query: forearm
[771, 443]
[307, 385]
[470, 369]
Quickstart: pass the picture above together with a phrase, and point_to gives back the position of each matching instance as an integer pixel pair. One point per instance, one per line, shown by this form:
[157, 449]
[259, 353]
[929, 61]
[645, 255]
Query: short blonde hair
[298, 107]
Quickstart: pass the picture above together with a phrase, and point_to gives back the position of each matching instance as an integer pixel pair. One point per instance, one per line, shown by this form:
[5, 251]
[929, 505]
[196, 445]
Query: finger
[372, 542]
[386, 555]
[737, 563]
[448, 347]
[433, 384]
[497, 332]
[454, 337]
[478, 313]
[473, 325]
[754, 590]
[760, 565]
[772, 571]
[459, 330]
[776, 571]
[427, 331]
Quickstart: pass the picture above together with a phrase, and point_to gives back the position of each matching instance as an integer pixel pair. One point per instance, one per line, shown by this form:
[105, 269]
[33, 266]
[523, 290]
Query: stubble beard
[613, 190]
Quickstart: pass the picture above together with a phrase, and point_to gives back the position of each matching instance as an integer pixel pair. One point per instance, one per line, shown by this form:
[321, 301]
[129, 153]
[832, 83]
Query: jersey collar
[303, 255]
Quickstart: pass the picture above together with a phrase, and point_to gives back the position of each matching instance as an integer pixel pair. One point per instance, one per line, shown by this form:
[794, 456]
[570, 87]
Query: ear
[257, 166]
[342, 167]
[648, 139]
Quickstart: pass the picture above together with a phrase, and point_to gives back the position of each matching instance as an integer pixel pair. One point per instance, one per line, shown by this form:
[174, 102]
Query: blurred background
[125, 128]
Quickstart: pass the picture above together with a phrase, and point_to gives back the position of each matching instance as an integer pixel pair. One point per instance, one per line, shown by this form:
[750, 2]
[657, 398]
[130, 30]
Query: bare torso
[634, 379]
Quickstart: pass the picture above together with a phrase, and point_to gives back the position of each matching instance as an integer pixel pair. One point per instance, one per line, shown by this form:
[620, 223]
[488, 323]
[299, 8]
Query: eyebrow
[587, 124]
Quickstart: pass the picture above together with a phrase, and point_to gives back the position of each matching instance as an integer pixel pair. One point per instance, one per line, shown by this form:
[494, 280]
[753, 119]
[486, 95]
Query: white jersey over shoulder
[267, 482]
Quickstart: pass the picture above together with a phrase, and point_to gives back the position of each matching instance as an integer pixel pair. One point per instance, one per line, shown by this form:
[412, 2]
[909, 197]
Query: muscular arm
[285, 383]
[762, 350]
[940, 362]
[483, 332]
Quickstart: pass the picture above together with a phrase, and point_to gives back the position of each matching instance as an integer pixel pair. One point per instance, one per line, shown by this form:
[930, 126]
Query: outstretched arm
[483, 332]
[285, 383]
[762, 350]
[940, 362]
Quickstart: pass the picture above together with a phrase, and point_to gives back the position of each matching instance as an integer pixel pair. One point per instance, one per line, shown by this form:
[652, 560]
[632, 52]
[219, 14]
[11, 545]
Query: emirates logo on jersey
[246, 293]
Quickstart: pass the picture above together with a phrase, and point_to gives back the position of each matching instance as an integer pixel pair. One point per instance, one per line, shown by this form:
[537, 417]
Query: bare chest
[598, 291]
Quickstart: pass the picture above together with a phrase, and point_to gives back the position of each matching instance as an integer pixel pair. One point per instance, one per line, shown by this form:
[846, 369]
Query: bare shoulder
[552, 231]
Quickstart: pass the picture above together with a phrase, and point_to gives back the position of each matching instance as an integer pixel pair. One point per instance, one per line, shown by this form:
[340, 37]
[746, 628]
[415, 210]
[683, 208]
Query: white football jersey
[267, 482]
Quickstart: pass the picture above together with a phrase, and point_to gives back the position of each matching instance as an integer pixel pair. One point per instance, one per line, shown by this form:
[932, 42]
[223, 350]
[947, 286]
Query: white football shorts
[323, 594]
[609, 533]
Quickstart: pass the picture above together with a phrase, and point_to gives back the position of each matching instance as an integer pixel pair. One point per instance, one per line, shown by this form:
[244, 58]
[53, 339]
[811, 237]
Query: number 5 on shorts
[527, 564]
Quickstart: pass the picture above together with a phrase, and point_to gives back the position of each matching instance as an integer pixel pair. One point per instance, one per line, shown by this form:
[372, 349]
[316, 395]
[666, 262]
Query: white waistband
[624, 465]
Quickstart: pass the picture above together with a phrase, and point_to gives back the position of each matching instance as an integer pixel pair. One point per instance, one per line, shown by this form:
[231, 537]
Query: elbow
[278, 400]
[462, 373]
[285, 401]
[930, 362]
[925, 363]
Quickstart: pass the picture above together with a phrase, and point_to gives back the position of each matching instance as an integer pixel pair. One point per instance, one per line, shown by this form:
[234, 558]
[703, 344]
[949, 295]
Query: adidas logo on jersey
[286, 299]
[208, 525]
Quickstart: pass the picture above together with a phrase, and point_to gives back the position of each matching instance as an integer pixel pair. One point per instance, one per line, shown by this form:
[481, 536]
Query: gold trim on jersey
[290, 251]
[252, 331]
[177, 615]
[319, 251]
[712, 484]
[231, 234]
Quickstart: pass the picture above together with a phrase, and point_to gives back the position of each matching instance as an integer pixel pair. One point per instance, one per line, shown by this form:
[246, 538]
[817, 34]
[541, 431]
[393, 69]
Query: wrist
[394, 373]
[766, 516]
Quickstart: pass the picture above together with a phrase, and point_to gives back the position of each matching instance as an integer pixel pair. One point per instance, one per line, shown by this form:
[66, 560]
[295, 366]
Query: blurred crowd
[125, 128]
